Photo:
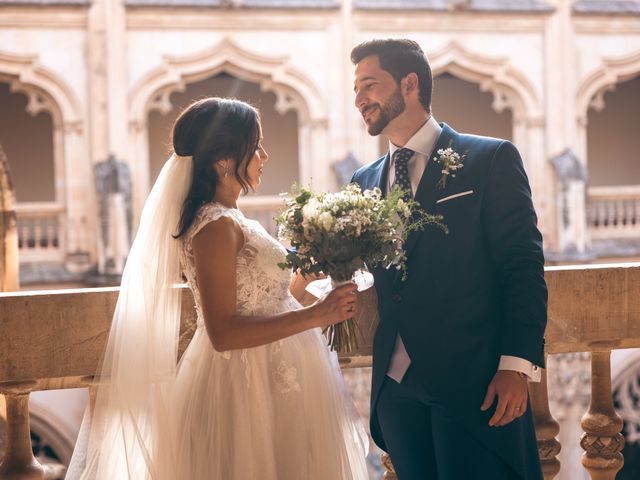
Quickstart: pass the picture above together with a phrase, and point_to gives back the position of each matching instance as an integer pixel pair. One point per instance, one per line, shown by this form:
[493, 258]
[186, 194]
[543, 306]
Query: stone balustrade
[54, 340]
[613, 212]
[41, 232]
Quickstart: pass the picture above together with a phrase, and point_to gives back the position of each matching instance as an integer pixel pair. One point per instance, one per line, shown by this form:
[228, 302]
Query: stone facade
[101, 70]
[98, 78]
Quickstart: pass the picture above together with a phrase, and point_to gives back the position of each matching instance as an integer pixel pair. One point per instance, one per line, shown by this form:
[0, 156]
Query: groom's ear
[409, 84]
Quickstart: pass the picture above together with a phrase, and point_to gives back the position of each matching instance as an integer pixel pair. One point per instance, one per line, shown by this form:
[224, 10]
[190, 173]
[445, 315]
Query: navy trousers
[426, 443]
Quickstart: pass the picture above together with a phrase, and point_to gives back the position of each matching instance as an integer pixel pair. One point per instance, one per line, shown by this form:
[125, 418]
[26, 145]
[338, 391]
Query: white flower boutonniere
[451, 162]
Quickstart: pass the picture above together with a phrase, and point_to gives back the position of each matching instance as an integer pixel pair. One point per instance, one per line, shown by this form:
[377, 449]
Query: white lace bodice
[262, 288]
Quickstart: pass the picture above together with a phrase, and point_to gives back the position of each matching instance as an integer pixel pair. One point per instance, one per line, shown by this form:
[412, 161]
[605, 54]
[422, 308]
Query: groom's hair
[399, 57]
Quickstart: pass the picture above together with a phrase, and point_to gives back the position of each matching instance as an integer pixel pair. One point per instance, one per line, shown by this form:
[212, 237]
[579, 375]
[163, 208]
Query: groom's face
[378, 96]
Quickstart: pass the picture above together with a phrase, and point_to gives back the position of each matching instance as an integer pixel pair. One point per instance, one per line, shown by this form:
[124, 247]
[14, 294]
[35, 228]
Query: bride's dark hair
[210, 130]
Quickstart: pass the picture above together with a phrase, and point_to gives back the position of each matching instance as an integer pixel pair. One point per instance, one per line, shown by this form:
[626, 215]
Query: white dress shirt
[423, 143]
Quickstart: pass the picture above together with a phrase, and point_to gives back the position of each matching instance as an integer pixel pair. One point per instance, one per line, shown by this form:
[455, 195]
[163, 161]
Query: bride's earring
[226, 170]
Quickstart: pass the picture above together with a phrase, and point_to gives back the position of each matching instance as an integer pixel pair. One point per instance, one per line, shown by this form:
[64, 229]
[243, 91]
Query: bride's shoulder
[211, 212]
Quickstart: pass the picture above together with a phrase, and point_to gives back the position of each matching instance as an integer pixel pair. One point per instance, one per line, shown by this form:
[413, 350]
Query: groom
[458, 340]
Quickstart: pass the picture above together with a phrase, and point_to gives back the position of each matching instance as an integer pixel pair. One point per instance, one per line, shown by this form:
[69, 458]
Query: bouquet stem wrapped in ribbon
[337, 234]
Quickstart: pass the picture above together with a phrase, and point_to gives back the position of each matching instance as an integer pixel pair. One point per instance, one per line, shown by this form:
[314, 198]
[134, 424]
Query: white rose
[325, 220]
[310, 210]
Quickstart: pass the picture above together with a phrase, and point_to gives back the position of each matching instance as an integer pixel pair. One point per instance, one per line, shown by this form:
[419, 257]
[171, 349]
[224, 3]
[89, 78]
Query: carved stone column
[602, 441]
[19, 462]
[546, 428]
[9, 266]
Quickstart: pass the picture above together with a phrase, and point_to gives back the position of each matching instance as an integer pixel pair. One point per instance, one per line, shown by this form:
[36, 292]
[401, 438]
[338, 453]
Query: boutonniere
[451, 162]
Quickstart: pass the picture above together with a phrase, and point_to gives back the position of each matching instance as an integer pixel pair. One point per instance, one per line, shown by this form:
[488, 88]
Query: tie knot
[402, 155]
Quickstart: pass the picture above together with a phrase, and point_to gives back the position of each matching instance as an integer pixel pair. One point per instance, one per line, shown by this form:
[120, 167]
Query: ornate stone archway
[590, 94]
[292, 88]
[46, 91]
[511, 89]
[602, 80]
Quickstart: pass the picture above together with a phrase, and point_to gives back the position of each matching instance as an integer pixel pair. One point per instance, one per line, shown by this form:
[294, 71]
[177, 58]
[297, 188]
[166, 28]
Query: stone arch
[510, 87]
[613, 70]
[47, 91]
[293, 90]
[44, 89]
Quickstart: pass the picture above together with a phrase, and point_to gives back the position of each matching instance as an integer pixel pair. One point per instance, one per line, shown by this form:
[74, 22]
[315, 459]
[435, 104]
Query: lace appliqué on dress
[262, 288]
[286, 378]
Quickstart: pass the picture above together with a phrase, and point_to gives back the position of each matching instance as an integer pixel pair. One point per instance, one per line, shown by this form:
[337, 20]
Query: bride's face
[256, 166]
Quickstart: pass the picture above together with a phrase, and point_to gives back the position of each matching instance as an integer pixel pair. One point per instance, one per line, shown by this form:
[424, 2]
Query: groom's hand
[511, 389]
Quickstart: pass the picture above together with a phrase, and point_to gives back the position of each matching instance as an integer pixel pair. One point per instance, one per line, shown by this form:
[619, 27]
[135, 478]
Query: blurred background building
[89, 90]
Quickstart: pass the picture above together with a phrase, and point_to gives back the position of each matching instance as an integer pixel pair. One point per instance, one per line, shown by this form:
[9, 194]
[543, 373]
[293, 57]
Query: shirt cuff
[507, 362]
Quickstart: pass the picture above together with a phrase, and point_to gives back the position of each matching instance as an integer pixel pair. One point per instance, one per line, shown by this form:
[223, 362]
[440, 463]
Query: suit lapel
[382, 174]
[428, 189]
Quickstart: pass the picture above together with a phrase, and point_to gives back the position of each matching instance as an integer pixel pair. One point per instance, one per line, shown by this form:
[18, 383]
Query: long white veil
[126, 431]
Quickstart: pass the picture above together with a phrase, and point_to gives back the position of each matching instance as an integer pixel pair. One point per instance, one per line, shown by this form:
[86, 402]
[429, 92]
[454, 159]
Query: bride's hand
[337, 306]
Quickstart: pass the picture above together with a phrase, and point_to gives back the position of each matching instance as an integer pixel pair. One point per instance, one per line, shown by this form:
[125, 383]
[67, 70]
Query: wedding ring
[517, 409]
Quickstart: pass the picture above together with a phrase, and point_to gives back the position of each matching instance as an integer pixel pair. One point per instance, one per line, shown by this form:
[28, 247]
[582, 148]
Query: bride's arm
[215, 248]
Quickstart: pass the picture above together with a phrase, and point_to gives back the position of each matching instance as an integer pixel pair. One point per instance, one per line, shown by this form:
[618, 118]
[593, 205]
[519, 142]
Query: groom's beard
[389, 110]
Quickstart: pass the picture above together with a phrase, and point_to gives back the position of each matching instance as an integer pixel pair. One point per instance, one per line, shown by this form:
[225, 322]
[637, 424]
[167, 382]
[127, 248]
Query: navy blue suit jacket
[470, 296]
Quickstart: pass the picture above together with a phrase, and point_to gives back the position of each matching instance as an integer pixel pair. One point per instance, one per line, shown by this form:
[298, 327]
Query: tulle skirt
[275, 412]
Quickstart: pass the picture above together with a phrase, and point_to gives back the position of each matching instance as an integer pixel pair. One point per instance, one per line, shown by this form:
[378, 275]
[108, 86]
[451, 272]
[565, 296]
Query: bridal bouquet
[339, 233]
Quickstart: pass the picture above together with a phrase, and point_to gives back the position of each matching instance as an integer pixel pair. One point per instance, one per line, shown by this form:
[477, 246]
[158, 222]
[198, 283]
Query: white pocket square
[456, 195]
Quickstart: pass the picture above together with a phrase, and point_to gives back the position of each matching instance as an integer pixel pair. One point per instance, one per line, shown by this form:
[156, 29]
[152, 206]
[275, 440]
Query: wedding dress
[275, 412]
[278, 411]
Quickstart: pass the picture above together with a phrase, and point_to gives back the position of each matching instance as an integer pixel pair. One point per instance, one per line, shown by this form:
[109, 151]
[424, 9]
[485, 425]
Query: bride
[256, 393]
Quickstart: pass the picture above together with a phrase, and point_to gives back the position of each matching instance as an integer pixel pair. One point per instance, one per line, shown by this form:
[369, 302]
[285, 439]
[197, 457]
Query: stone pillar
[313, 148]
[108, 88]
[9, 266]
[560, 80]
[79, 219]
[19, 462]
[546, 428]
[602, 441]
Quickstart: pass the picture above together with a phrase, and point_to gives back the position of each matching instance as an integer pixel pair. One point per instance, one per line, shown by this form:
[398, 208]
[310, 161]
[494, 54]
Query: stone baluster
[25, 234]
[546, 428]
[19, 462]
[390, 473]
[52, 242]
[602, 441]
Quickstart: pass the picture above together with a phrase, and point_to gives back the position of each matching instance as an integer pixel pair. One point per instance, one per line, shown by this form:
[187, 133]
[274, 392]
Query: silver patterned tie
[401, 159]
[400, 360]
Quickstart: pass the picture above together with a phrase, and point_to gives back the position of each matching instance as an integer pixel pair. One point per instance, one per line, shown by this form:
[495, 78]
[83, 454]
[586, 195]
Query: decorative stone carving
[569, 381]
[568, 169]
[572, 177]
[45, 90]
[292, 87]
[611, 72]
[602, 441]
[510, 87]
[114, 191]
[626, 397]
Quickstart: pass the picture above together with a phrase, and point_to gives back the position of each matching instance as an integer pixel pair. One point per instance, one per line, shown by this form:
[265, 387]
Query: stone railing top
[593, 307]
[54, 339]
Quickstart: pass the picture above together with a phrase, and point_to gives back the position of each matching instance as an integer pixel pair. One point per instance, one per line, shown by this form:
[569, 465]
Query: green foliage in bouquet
[339, 233]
